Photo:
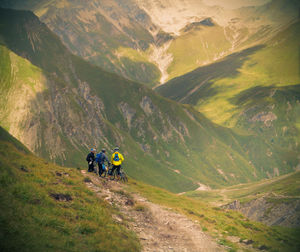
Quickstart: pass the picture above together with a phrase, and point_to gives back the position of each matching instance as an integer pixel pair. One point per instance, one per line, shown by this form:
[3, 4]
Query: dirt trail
[158, 228]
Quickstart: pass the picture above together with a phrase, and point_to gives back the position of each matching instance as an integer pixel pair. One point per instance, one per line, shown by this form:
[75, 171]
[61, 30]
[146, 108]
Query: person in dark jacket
[90, 159]
[100, 159]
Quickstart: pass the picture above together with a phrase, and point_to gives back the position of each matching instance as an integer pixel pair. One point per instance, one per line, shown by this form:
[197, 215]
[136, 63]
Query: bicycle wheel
[124, 177]
[104, 174]
[113, 174]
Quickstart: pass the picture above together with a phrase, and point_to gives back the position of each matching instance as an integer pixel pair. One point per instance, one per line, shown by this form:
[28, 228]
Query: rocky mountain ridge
[143, 40]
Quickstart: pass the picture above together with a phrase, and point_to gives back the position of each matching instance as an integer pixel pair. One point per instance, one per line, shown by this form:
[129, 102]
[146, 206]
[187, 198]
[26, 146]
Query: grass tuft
[43, 211]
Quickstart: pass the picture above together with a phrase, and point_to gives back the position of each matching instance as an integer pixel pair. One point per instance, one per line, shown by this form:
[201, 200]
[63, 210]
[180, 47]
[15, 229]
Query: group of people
[100, 159]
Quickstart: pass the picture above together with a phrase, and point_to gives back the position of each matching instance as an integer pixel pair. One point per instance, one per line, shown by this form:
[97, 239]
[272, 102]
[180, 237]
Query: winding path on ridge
[158, 228]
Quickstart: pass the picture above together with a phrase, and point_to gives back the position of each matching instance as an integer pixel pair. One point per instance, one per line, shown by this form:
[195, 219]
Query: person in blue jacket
[100, 159]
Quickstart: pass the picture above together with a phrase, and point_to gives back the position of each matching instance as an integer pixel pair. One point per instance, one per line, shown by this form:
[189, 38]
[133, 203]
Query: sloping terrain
[44, 207]
[273, 63]
[111, 34]
[158, 228]
[273, 201]
[229, 228]
[154, 41]
[204, 31]
[255, 91]
[59, 106]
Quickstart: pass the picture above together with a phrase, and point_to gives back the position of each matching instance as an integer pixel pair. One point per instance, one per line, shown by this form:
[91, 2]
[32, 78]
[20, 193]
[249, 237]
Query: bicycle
[105, 172]
[122, 175]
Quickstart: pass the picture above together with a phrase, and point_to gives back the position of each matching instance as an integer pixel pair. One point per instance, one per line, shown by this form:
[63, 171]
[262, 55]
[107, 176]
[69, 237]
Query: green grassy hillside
[224, 225]
[274, 202]
[272, 64]
[96, 30]
[198, 45]
[47, 207]
[255, 92]
[44, 207]
[285, 186]
[59, 106]
[156, 49]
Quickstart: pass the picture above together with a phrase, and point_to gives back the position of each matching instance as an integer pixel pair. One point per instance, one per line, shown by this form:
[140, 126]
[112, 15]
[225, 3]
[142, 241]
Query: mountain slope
[45, 207]
[154, 41]
[231, 228]
[206, 32]
[103, 32]
[110, 34]
[273, 201]
[48, 207]
[255, 91]
[272, 63]
[59, 106]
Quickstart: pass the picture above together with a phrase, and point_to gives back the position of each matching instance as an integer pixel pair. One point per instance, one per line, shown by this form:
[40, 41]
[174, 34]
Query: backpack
[116, 157]
[98, 157]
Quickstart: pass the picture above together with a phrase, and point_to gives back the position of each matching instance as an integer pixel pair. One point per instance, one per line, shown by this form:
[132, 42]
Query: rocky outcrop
[127, 112]
[147, 105]
[265, 117]
[197, 25]
[273, 211]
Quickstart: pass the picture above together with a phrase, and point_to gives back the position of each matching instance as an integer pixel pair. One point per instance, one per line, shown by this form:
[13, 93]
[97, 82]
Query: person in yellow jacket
[116, 160]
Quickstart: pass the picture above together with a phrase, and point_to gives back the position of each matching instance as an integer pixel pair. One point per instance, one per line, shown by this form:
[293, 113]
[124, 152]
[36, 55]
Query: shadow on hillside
[252, 95]
[24, 34]
[192, 86]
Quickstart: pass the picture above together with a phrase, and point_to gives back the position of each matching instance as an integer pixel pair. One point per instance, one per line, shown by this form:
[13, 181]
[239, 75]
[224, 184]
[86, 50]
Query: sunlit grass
[275, 65]
[204, 45]
[33, 220]
[222, 223]
[284, 186]
[135, 55]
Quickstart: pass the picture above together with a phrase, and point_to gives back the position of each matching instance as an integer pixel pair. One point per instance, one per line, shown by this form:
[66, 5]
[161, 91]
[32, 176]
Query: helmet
[93, 149]
[103, 150]
[116, 149]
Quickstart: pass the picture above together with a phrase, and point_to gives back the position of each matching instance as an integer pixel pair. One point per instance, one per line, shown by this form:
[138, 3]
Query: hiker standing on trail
[116, 160]
[90, 159]
[100, 159]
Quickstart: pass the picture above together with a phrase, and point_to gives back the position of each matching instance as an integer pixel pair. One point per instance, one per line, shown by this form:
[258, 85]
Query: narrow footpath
[158, 228]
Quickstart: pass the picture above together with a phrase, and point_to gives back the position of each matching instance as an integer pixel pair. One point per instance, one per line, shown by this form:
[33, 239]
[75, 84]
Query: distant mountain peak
[207, 22]
[198, 24]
